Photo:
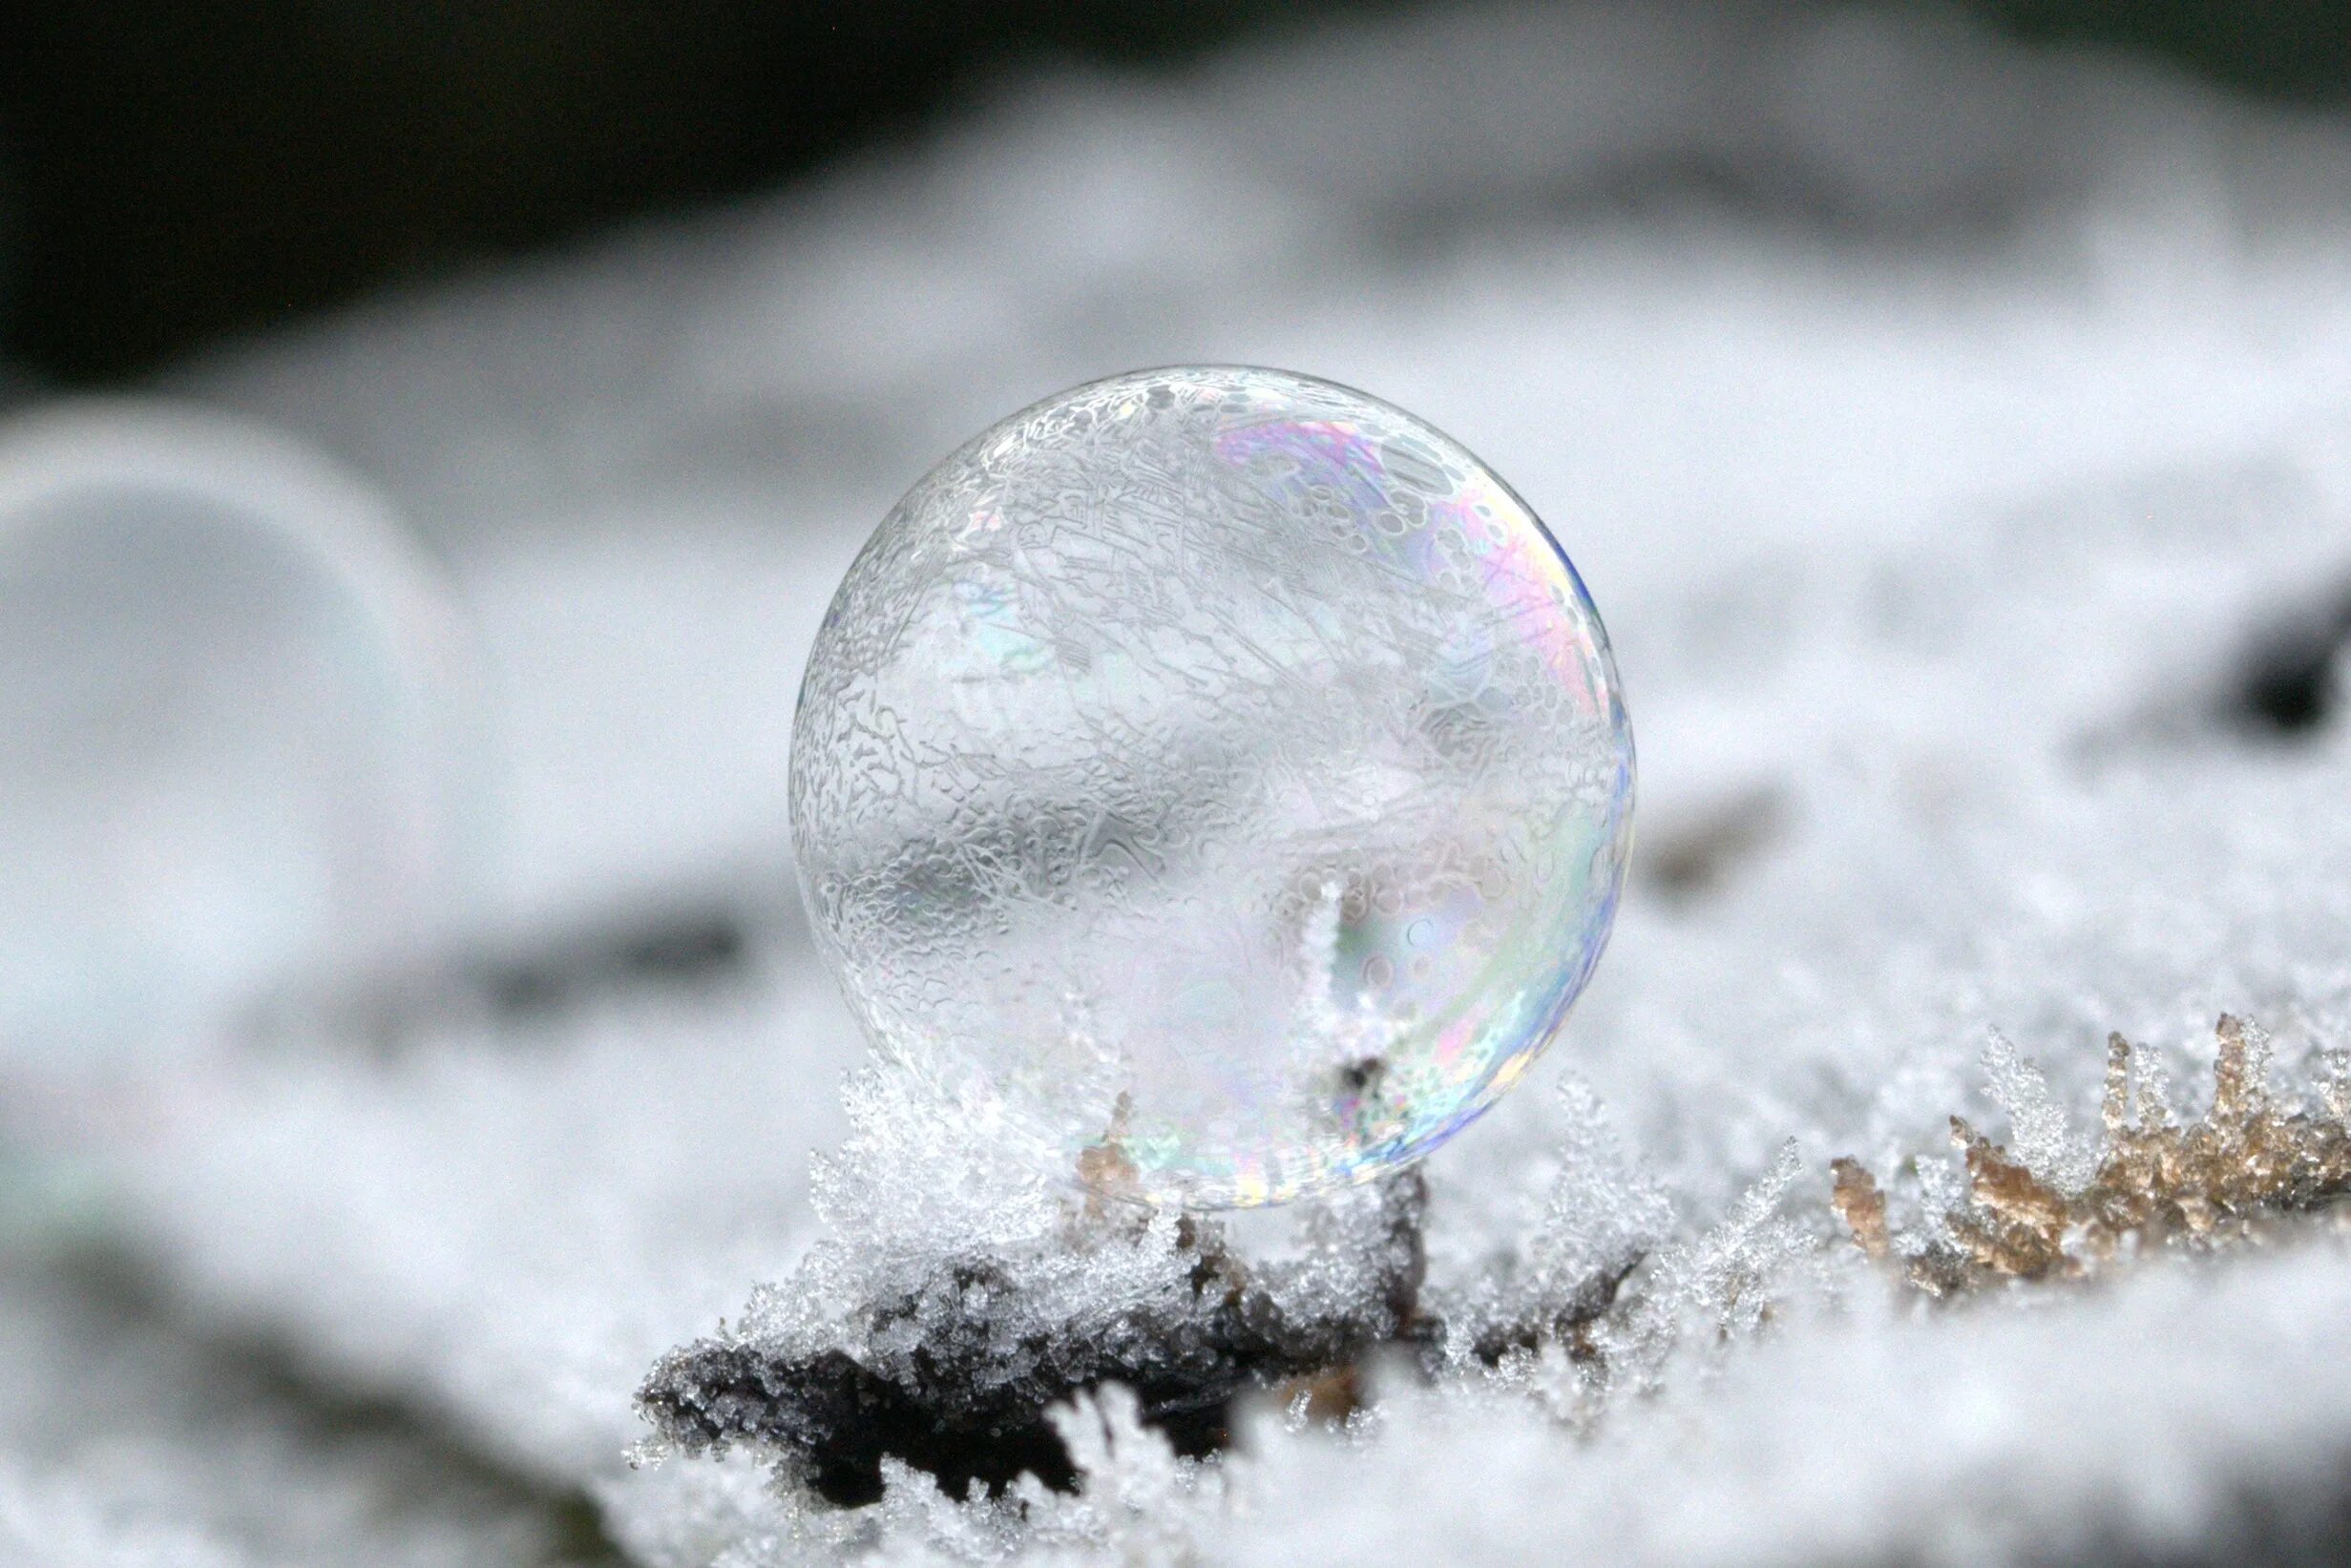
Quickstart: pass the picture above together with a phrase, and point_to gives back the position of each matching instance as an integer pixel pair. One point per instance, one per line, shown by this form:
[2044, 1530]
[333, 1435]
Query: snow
[2138, 1421]
[1939, 427]
[123, 1441]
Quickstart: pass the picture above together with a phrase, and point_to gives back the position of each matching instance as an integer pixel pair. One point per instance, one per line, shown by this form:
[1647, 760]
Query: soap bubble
[1213, 781]
[237, 705]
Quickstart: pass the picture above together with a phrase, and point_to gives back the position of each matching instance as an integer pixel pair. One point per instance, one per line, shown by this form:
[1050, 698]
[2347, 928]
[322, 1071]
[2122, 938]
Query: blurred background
[174, 173]
[430, 435]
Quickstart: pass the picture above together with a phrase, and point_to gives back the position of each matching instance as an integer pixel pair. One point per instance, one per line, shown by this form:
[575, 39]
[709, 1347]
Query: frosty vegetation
[1047, 1374]
[2036, 1211]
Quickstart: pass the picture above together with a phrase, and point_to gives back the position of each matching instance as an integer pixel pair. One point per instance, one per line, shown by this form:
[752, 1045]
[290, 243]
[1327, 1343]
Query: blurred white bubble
[239, 726]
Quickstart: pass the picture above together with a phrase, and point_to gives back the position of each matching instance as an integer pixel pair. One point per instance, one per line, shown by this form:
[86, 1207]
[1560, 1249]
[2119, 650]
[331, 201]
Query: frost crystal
[1605, 1212]
[1605, 1209]
[1727, 1277]
[2043, 1137]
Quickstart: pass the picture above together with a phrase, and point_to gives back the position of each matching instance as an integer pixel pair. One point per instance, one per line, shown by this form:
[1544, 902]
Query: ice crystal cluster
[2034, 1211]
[950, 1311]
[933, 1334]
[1214, 779]
[997, 1393]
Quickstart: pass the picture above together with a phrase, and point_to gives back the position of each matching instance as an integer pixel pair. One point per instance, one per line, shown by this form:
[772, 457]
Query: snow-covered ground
[1939, 427]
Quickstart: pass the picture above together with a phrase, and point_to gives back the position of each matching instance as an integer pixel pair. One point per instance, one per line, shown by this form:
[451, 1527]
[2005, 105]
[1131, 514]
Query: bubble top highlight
[1213, 780]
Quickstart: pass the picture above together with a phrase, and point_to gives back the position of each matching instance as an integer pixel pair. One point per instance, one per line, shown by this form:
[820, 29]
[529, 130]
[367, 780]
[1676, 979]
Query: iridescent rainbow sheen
[1253, 793]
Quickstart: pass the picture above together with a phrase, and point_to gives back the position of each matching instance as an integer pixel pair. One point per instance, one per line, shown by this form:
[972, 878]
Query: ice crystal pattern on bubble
[1216, 782]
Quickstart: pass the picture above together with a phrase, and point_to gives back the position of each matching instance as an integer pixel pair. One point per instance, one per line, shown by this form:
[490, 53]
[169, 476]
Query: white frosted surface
[1934, 424]
[121, 1442]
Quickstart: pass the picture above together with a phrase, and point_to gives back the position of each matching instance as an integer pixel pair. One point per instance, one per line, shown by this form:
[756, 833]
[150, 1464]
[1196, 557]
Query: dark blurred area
[173, 171]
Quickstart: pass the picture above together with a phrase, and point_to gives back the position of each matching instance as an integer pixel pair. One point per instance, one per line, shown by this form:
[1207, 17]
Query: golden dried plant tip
[2016, 1222]
[2114, 1108]
[2250, 1159]
[1855, 1195]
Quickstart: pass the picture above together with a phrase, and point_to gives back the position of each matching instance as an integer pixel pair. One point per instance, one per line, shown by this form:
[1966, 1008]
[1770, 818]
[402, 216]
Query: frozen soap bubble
[237, 706]
[1214, 782]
